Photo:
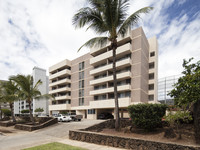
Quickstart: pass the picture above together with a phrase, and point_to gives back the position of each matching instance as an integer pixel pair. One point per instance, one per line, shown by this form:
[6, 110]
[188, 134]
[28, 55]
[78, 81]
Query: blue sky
[40, 33]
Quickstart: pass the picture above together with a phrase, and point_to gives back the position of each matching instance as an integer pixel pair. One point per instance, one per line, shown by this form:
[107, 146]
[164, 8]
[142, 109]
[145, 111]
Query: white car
[63, 117]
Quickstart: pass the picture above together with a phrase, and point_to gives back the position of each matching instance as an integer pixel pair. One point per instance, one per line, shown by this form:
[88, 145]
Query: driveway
[57, 132]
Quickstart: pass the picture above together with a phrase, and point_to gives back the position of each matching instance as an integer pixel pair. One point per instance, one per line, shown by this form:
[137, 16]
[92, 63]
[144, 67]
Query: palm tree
[9, 93]
[27, 90]
[108, 18]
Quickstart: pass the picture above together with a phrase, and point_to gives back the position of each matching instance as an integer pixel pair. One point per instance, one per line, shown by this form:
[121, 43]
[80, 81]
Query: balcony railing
[111, 89]
[120, 63]
[120, 50]
[60, 73]
[122, 75]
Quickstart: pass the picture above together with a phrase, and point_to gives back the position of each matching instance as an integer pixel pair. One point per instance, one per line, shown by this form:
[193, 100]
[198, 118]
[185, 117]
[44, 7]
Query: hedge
[147, 116]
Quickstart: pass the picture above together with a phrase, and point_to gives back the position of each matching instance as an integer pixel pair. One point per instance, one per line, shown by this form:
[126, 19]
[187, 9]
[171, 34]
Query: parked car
[63, 117]
[75, 117]
[105, 115]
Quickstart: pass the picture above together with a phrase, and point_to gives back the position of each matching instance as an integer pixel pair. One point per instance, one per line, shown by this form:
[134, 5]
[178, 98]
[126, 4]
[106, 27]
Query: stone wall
[36, 127]
[6, 123]
[122, 142]
[108, 124]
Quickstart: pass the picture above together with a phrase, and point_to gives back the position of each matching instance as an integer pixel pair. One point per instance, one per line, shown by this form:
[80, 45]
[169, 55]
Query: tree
[9, 94]
[109, 18]
[28, 91]
[186, 92]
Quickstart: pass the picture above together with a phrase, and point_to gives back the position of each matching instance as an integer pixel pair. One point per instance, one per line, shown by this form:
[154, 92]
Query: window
[152, 54]
[81, 66]
[151, 76]
[151, 86]
[151, 65]
[81, 75]
[151, 97]
[91, 111]
[81, 101]
[81, 84]
[81, 92]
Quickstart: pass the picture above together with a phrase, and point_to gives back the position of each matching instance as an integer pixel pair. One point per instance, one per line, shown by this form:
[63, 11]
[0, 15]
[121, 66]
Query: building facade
[85, 85]
[38, 74]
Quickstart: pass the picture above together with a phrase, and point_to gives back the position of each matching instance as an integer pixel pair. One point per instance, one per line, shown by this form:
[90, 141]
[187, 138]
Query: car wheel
[61, 120]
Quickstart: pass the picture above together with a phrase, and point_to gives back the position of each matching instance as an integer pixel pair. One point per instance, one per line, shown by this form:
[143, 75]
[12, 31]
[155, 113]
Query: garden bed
[105, 134]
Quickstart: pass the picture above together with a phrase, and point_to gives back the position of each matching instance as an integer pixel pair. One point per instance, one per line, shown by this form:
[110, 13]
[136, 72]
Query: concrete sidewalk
[86, 145]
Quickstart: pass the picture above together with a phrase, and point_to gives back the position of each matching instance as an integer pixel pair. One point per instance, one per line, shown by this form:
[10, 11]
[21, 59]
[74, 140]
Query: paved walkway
[56, 133]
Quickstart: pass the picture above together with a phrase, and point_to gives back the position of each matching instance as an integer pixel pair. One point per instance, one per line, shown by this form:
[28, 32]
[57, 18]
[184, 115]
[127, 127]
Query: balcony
[122, 63]
[110, 90]
[120, 50]
[64, 89]
[63, 97]
[60, 107]
[122, 75]
[123, 102]
[60, 73]
[60, 82]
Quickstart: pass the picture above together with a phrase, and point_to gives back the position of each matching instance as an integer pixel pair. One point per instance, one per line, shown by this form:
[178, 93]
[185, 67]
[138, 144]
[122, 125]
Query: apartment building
[85, 84]
[38, 74]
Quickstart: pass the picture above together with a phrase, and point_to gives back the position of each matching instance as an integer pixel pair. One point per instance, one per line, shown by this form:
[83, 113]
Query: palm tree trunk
[30, 112]
[12, 112]
[117, 122]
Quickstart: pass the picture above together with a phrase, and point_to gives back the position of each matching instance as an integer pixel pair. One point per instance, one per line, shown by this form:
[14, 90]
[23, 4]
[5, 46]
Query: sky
[40, 33]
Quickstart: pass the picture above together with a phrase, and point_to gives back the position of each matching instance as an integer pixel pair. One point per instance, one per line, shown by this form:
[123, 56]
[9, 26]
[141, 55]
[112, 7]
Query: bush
[25, 111]
[6, 112]
[147, 116]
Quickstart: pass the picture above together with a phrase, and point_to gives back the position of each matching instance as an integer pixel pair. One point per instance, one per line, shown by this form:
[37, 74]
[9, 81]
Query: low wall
[36, 127]
[108, 124]
[6, 123]
[122, 142]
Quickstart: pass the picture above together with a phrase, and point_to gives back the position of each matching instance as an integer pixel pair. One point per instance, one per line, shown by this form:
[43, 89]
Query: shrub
[6, 112]
[25, 111]
[147, 116]
[39, 110]
[178, 118]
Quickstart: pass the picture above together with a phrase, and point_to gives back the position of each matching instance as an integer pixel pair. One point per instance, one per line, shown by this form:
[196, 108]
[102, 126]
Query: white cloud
[42, 34]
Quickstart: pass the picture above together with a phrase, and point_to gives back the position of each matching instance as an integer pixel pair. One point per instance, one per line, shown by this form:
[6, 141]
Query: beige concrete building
[85, 85]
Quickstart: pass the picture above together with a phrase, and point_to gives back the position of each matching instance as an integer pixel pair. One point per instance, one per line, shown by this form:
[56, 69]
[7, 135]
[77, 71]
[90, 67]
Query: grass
[55, 146]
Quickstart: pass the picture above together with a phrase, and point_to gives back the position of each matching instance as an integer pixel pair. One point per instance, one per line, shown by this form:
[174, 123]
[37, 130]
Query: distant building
[165, 85]
[38, 74]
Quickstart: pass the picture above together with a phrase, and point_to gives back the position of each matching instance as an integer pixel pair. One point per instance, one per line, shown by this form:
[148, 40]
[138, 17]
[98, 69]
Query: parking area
[53, 133]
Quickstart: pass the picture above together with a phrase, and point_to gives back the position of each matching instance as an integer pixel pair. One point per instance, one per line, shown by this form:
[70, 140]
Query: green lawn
[55, 146]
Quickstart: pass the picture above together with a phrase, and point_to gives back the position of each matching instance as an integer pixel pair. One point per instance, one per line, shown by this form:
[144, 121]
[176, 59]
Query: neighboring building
[165, 85]
[38, 74]
[85, 85]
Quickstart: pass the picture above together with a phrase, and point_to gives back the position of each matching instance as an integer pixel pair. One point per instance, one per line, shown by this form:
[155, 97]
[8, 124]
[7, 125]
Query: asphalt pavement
[56, 133]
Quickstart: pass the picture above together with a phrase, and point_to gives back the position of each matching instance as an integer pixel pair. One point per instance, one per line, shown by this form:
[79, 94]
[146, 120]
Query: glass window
[152, 54]
[151, 97]
[81, 66]
[151, 76]
[151, 65]
[82, 83]
[91, 111]
[151, 86]
[81, 101]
